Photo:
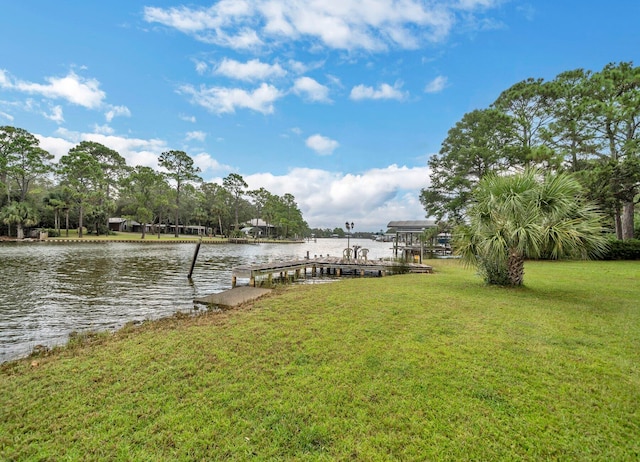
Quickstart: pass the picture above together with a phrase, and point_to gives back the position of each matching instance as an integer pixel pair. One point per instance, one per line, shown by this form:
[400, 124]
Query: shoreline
[94, 240]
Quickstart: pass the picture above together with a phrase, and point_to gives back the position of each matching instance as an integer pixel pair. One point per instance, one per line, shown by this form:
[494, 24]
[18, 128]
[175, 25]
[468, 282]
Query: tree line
[92, 183]
[583, 122]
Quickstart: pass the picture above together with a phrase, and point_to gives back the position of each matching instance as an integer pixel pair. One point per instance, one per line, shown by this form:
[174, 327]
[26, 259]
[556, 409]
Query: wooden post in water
[195, 256]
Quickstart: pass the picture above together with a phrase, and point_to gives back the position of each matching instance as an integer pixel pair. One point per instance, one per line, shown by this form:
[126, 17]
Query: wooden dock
[330, 266]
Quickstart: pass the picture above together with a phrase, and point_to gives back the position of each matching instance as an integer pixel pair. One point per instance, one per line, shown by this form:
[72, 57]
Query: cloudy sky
[338, 102]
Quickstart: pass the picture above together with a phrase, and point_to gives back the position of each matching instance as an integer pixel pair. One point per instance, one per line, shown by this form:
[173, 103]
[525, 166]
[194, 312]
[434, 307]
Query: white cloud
[371, 25]
[477, 4]
[136, 151]
[322, 145]
[187, 118]
[335, 81]
[436, 85]
[55, 115]
[103, 129]
[250, 71]
[384, 91]
[201, 67]
[311, 90]
[56, 146]
[115, 111]
[208, 163]
[221, 24]
[371, 199]
[7, 116]
[245, 39]
[72, 88]
[298, 67]
[220, 100]
[196, 135]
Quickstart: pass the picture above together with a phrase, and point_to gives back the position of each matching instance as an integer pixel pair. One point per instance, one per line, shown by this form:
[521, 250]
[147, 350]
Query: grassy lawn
[412, 367]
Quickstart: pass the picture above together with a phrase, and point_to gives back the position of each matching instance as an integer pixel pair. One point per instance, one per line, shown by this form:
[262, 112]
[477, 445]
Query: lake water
[48, 290]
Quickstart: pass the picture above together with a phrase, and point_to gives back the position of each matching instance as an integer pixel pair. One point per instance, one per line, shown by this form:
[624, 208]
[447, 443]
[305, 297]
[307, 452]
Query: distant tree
[214, 199]
[8, 137]
[114, 168]
[260, 198]
[23, 161]
[20, 214]
[81, 174]
[145, 194]
[527, 215]
[235, 184]
[55, 202]
[284, 212]
[181, 170]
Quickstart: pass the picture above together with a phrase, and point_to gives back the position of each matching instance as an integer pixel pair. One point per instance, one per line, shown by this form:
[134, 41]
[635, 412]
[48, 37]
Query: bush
[494, 272]
[623, 250]
[52, 232]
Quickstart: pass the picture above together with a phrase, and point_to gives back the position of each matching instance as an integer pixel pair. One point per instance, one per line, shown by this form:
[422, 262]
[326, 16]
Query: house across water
[131, 226]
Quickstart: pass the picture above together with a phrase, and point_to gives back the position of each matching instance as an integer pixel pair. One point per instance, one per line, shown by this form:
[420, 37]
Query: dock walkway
[295, 269]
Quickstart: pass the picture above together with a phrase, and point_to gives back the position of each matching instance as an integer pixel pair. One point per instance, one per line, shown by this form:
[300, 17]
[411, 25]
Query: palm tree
[528, 215]
[20, 214]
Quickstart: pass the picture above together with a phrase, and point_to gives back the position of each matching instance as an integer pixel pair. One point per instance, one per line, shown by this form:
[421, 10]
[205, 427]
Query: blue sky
[338, 102]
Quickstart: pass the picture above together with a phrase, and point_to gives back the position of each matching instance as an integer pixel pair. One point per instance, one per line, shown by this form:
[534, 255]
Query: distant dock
[330, 266]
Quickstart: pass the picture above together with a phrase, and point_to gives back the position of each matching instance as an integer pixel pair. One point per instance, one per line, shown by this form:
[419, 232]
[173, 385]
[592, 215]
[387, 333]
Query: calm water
[48, 290]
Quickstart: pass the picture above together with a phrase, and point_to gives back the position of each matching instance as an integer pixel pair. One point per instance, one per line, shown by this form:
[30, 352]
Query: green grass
[412, 367]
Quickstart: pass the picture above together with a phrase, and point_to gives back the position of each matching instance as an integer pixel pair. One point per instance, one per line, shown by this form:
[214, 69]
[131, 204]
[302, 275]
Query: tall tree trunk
[19, 231]
[144, 229]
[177, 207]
[80, 219]
[515, 266]
[627, 220]
[618, 223]
[67, 220]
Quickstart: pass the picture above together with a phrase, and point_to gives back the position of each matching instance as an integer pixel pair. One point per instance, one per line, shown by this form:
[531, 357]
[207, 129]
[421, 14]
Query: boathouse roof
[412, 225]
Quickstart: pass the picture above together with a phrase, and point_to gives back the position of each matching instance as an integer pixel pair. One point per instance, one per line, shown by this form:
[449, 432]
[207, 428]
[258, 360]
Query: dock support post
[233, 281]
[195, 257]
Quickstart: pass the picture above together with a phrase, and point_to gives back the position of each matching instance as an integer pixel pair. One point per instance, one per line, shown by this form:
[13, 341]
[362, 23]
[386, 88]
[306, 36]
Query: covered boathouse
[407, 243]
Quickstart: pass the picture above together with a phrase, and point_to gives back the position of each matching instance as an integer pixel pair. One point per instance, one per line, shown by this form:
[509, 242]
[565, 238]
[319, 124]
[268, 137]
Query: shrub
[623, 250]
[493, 272]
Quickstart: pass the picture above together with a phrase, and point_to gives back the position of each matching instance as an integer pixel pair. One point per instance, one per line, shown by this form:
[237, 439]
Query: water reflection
[49, 290]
